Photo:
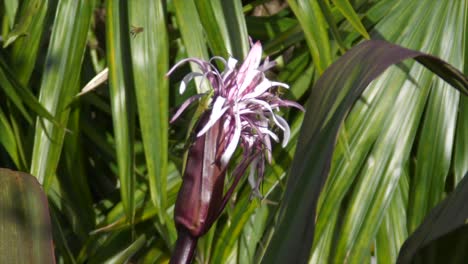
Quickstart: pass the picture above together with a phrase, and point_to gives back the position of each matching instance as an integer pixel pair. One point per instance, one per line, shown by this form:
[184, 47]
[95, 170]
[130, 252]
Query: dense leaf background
[111, 164]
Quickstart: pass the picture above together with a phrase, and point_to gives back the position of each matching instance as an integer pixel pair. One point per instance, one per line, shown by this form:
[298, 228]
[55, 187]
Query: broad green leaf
[32, 22]
[10, 7]
[59, 84]
[192, 34]
[366, 121]
[347, 10]
[236, 28]
[150, 65]
[443, 234]
[214, 24]
[393, 230]
[434, 153]
[231, 233]
[346, 79]
[327, 13]
[24, 220]
[122, 98]
[252, 234]
[313, 24]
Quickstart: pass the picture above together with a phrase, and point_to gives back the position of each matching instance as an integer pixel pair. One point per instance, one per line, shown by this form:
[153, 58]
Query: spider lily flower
[242, 107]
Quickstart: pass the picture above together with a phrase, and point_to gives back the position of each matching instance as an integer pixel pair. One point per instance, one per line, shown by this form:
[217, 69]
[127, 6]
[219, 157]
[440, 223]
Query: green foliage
[110, 163]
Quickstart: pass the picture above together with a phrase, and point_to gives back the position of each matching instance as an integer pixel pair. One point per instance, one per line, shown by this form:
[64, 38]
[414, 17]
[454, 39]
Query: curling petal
[286, 130]
[201, 63]
[187, 79]
[184, 106]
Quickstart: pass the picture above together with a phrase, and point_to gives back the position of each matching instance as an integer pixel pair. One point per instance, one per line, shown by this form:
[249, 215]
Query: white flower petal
[286, 130]
[263, 87]
[231, 148]
[231, 64]
[216, 113]
[187, 79]
[269, 133]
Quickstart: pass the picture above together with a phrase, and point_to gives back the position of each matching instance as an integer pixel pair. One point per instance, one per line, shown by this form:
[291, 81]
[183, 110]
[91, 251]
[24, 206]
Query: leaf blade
[121, 93]
[318, 134]
[24, 220]
[150, 64]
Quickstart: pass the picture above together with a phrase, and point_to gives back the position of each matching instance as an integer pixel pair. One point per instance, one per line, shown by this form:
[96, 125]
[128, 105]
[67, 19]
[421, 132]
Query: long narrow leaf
[214, 23]
[347, 10]
[150, 64]
[192, 34]
[122, 97]
[313, 23]
[324, 114]
[31, 16]
[59, 84]
[236, 27]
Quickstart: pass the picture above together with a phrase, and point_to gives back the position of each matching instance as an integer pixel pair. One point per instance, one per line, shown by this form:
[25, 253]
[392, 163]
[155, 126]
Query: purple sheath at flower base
[242, 108]
[201, 194]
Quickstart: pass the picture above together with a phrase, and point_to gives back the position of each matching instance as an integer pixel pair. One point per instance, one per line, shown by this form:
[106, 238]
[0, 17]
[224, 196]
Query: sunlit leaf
[345, 79]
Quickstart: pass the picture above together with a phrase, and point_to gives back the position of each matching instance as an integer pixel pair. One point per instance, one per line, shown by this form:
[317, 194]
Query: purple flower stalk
[242, 107]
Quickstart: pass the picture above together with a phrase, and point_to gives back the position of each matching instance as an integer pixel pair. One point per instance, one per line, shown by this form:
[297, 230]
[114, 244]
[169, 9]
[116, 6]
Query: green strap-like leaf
[60, 82]
[214, 23]
[26, 232]
[31, 24]
[7, 139]
[124, 255]
[122, 98]
[236, 28]
[192, 35]
[10, 7]
[346, 79]
[150, 65]
[347, 10]
[313, 24]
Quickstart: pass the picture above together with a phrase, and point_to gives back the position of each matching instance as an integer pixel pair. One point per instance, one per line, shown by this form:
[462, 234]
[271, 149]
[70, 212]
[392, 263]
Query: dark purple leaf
[26, 233]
